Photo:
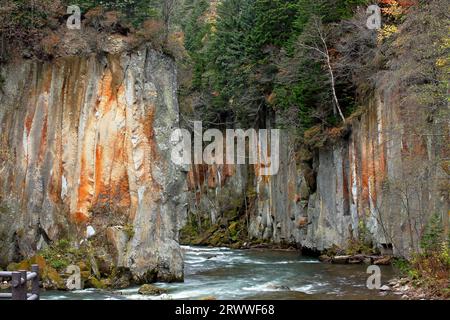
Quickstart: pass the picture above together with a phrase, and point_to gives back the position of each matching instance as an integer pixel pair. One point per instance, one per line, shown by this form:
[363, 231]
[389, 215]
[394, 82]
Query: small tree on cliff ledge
[314, 42]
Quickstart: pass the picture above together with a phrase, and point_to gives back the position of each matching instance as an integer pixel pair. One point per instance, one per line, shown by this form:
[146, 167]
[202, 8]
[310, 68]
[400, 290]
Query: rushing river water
[253, 274]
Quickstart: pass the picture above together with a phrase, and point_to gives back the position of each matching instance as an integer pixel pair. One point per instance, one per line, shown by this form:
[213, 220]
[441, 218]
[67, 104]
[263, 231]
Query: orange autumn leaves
[395, 8]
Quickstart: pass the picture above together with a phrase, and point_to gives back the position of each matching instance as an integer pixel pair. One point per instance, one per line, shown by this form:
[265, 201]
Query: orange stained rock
[364, 173]
[85, 190]
[229, 170]
[196, 176]
[28, 123]
[43, 142]
[80, 217]
[100, 188]
[107, 95]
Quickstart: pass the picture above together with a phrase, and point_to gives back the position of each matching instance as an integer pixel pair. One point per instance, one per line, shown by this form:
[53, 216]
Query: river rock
[367, 260]
[151, 290]
[356, 259]
[341, 259]
[278, 287]
[383, 261]
[325, 258]
[385, 288]
[5, 285]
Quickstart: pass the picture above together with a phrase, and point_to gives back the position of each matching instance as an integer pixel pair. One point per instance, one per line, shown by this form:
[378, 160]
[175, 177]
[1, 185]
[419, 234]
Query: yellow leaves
[441, 62]
[386, 31]
[446, 42]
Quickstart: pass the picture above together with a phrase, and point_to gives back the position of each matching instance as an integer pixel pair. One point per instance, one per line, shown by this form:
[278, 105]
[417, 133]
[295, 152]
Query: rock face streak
[85, 141]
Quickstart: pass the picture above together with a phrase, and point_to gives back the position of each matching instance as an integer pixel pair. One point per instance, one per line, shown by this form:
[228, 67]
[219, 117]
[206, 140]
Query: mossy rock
[85, 275]
[106, 282]
[233, 228]
[27, 263]
[24, 265]
[52, 280]
[13, 266]
[93, 282]
[151, 290]
[236, 245]
[189, 233]
[40, 261]
[217, 238]
[83, 266]
[120, 282]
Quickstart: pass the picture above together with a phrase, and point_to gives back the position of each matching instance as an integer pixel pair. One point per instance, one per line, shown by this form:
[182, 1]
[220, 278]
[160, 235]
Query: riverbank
[223, 273]
[257, 272]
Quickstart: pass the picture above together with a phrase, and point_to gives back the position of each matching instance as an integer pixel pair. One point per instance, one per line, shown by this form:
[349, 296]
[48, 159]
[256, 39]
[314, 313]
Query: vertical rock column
[86, 142]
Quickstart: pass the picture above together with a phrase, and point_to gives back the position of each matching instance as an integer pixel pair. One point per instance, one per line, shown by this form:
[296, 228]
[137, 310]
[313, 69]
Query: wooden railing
[19, 282]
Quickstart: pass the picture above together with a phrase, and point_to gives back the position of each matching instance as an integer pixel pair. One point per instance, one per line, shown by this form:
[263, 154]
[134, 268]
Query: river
[223, 273]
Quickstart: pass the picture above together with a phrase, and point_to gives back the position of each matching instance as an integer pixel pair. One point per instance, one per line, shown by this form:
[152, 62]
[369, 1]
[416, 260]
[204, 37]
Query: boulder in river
[356, 259]
[383, 261]
[325, 258]
[151, 290]
[341, 259]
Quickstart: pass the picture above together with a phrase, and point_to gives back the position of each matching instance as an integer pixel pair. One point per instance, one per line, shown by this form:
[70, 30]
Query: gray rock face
[279, 212]
[379, 180]
[86, 141]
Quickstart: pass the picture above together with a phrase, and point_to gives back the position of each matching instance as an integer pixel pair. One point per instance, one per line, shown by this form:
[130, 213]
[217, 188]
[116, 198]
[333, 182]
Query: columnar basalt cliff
[85, 141]
[374, 177]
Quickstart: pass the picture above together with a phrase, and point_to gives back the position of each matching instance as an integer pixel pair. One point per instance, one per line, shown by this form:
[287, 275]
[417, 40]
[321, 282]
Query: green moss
[60, 255]
[230, 230]
[362, 244]
[4, 209]
[194, 229]
[13, 266]
[59, 264]
[188, 234]
[234, 231]
[217, 239]
[63, 244]
[53, 277]
[129, 230]
[95, 283]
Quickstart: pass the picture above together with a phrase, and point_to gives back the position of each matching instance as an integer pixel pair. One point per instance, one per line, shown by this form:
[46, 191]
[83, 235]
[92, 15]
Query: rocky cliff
[85, 145]
[375, 179]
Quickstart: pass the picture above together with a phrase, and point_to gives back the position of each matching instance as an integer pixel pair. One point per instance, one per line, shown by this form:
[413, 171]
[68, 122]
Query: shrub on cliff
[24, 23]
[430, 268]
[37, 29]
